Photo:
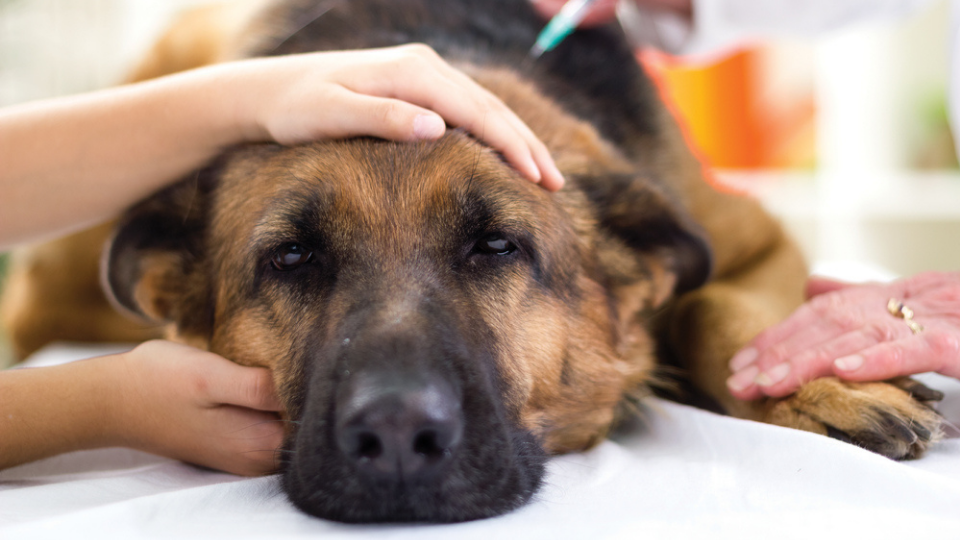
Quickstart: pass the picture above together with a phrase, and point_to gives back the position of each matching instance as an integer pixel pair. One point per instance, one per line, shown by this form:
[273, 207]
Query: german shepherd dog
[436, 325]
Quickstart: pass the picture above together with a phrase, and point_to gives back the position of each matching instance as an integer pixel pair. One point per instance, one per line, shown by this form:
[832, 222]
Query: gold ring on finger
[899, 310]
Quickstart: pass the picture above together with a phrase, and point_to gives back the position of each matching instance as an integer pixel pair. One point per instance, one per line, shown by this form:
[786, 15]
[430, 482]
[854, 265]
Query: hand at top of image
[605, 10]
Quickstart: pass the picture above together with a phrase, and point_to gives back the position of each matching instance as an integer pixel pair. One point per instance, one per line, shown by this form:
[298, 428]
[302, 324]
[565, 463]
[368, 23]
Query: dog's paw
[893, 418]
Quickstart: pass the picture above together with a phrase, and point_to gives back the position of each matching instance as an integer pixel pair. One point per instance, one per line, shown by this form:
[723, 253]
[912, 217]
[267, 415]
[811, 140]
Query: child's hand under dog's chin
[161, 397]
[195, 406]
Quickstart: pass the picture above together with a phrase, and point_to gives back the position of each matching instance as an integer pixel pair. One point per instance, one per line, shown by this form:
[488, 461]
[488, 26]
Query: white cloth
[684, 474]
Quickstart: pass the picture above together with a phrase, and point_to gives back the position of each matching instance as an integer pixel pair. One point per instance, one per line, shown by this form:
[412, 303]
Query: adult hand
[198, 407]
[401, 93]
[847, 331]
[605, 10]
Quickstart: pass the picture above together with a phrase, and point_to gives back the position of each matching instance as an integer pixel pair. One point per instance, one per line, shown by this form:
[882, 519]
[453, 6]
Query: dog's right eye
[291, 256]
[495, 244]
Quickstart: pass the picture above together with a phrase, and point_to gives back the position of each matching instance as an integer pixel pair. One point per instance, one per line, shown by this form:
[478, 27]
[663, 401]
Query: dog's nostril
[427, 444]
[368, 446]
[398, 430]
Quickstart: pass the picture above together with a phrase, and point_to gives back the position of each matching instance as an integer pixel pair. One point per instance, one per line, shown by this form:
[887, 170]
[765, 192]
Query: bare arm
[161, 397]
[75, 161]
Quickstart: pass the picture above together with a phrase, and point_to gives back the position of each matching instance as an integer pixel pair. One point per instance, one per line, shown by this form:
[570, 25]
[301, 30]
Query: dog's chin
[486, 479]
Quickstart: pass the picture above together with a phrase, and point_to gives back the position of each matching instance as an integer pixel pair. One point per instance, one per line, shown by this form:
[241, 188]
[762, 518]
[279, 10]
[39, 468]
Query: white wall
[55, 47]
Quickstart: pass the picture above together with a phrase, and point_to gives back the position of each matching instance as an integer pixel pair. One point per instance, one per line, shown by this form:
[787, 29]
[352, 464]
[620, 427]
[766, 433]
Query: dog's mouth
[403, 451]
[391, 434]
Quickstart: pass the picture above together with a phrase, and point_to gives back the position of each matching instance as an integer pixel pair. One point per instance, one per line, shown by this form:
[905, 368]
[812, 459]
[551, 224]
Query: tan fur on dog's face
[359, 270]
[398, 220]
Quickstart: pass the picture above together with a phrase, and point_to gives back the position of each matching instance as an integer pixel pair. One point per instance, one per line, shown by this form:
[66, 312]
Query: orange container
[727, 116]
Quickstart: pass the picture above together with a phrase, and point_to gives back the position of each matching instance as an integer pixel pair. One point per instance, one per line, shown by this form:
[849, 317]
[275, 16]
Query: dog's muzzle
[398, 427]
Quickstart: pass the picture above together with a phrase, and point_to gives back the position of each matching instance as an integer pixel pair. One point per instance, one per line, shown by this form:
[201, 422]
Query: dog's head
[435, 324]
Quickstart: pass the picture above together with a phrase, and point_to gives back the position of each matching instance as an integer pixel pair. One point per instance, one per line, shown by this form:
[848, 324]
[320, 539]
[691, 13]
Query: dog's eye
[495, 244]
[291, 256]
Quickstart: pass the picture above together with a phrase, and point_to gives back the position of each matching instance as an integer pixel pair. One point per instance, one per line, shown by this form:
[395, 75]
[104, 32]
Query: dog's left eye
[291, 256]
[495, 244]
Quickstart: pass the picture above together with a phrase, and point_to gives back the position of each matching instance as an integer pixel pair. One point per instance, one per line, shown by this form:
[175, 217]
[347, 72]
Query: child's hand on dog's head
[88, 157]
[403, 93]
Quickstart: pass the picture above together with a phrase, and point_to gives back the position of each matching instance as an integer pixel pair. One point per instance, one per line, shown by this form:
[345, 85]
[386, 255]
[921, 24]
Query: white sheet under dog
[685, 474]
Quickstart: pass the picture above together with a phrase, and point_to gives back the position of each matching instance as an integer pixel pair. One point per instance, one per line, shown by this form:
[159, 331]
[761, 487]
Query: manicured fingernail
[743, 379]
[773, 375]
[428, 126]
[743, 359]
[848, 363]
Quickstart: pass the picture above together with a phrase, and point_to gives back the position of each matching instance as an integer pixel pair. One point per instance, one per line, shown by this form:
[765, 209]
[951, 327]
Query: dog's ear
[652, 223]
[152, 266]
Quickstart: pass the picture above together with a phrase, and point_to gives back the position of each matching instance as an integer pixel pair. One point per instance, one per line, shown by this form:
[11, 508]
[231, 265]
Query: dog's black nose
[398, 429]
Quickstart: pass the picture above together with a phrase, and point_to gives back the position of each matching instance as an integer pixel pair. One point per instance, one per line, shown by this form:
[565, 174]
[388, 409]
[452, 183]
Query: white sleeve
[717, 25]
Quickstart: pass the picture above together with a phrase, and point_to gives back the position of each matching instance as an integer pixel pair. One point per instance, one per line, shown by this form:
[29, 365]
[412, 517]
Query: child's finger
[242, 386]
[463, 103]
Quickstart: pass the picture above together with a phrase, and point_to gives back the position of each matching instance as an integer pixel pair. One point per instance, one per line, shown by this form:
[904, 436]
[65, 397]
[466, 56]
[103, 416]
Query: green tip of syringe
[551, 36]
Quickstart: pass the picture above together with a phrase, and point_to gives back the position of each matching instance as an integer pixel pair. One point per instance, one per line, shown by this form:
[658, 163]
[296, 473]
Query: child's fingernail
[848, 363]
[531, 170]
[428, 126]
[743, 359]
[773, 375]
[555, 173]
[743, 380]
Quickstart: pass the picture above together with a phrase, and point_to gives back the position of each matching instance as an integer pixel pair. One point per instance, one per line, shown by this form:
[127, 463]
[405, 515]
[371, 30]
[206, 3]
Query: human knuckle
[387, 113]
[950, 294]
[826, 306]
[843, 319]
[887, 359]
[813, 356]
[774, 355]
[879, 332]
[943, 344]
[421, 49]
[418, 55]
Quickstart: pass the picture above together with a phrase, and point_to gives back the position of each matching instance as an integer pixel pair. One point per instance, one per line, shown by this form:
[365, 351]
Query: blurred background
[845, 137]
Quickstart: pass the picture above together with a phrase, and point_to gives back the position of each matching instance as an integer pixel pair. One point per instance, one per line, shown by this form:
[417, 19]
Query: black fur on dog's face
[434, 323]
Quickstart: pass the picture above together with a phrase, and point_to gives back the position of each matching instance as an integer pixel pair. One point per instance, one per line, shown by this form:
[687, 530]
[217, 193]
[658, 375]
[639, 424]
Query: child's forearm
[48, 411]
[70, 162]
